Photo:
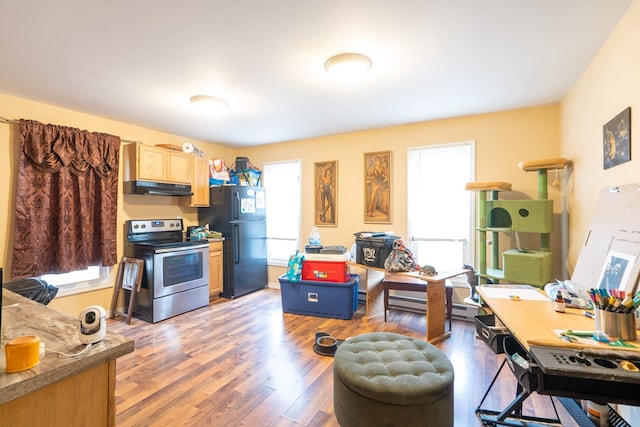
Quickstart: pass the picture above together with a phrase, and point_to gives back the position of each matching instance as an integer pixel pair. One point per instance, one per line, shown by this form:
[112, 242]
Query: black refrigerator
[238, 212]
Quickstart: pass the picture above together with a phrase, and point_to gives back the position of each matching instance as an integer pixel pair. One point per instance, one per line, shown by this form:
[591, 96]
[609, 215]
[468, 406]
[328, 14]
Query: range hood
[157, 188]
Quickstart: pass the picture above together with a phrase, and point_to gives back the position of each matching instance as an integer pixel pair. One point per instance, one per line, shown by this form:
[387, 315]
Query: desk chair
[404, 283]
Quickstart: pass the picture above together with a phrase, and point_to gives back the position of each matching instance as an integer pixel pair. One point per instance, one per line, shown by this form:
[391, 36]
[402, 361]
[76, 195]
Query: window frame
[282, 262]
[103, 281]
[468, 245]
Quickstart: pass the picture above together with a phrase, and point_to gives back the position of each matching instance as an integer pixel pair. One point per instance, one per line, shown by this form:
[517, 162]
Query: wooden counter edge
[13, 391]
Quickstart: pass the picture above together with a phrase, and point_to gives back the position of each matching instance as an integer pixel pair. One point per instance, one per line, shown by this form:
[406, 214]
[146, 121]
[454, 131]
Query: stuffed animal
[428, 270]
[400, 258]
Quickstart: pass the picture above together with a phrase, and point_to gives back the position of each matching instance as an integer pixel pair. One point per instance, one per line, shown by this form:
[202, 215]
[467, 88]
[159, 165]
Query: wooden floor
[243, 362]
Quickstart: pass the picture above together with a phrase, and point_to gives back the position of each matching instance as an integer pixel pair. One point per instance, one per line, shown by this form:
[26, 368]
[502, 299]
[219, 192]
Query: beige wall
[502, 140]
[608, 86]
[129, 206]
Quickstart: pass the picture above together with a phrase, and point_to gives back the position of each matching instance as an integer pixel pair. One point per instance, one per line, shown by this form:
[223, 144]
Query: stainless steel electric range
[176, 271]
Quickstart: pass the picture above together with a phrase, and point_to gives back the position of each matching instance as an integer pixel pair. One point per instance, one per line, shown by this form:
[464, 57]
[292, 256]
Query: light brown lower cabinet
[84, 399]
[215, 270]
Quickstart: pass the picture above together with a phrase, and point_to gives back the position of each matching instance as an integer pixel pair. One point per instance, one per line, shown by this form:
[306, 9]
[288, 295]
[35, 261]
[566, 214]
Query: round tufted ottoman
[385, 379]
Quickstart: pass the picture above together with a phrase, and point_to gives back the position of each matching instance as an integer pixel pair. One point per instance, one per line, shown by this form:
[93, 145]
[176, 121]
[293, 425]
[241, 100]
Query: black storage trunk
[492, 337]
[373, 251]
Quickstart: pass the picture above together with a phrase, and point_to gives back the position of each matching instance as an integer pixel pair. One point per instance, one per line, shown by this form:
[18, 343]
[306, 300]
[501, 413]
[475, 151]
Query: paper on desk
[585, 338]
[506, 292]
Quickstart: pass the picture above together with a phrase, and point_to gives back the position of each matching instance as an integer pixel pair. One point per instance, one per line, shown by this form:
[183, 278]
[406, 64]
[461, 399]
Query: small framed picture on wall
[326, 193]
[616, 140]
[377, 187]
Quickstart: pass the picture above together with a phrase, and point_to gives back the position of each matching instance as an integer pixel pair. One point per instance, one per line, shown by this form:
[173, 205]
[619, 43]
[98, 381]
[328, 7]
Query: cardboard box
[320, 299]
[373, 251]
[326, 271]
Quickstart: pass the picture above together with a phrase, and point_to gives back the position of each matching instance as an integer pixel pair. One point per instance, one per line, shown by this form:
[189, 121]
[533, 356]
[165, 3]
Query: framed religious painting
[616, 140]
[377, 187]
[326, 193]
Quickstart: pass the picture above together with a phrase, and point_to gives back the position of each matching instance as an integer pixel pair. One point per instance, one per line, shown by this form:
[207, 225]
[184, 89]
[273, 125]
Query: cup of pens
[615, 313]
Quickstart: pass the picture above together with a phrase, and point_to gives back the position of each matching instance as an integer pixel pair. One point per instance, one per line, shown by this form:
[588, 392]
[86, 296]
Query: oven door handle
[236, 243]
[182, 249]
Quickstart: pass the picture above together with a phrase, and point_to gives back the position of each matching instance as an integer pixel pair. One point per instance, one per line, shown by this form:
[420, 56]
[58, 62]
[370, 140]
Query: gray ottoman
[385, 379]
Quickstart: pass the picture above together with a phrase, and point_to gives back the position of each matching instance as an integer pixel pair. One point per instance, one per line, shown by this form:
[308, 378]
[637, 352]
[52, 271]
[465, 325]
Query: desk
[533, 319]
[555, 367]
[435, 300]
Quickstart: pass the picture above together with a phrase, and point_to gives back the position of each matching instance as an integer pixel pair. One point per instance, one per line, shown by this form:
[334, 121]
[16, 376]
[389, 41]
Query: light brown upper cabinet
[149, 163]
[199, 184]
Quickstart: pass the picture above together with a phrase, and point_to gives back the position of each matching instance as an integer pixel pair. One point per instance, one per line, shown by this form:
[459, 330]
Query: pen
[614, 300]
[578, 333]
[589, 314]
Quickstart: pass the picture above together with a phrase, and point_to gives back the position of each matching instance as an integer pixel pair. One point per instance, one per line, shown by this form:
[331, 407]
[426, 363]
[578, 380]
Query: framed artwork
[616, 272]
[616, 140]
[377, 187]
[326, 189]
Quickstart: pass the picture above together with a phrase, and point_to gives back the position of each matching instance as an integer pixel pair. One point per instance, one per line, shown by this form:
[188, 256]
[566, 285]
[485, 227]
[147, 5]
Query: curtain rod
[15, 122]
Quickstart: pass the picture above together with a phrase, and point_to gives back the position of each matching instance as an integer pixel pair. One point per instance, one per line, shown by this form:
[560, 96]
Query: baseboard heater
[418, 305]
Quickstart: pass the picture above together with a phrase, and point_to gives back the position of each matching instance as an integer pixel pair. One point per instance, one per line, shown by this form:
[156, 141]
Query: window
[92, 278]
[282, 183]
[439, 208]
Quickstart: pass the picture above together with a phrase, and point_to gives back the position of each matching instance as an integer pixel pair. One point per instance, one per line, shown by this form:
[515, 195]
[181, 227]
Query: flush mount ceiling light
[348, 66]
[209, 103]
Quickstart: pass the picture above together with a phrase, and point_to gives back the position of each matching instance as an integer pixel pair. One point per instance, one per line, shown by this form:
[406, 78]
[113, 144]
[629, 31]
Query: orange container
[22, 353]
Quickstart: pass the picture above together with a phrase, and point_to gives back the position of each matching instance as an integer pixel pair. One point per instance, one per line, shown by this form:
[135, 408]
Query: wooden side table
[403, 283]
[435, 291]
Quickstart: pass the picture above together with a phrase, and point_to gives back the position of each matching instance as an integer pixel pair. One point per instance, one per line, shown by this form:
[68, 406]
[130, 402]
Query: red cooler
[325, 268]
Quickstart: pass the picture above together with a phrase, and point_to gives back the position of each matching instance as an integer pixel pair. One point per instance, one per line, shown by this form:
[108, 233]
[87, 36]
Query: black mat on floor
[324, 351]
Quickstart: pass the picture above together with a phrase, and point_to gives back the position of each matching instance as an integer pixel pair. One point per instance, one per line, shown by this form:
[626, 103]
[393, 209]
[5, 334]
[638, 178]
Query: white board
[614, 234]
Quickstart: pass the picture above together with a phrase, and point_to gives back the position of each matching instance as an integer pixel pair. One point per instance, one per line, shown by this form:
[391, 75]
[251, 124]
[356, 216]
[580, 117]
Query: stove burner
[158, 234]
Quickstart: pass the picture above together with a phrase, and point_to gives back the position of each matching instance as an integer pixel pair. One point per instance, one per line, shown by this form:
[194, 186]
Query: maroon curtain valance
[52, 147]
[66, 200]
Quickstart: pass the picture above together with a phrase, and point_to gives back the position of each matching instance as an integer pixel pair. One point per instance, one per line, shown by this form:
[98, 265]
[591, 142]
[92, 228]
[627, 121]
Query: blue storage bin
[321, 299]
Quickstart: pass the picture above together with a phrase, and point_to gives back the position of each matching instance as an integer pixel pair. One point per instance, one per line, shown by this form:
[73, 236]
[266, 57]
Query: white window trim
[458, 281]
[103, 282]
[278, 262]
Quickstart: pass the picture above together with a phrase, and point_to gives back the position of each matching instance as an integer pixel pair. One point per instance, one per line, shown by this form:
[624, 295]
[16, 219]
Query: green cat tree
[495, 216]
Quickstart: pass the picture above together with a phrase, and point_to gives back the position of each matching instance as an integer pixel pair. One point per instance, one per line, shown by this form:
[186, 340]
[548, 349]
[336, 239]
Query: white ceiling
[139, 61]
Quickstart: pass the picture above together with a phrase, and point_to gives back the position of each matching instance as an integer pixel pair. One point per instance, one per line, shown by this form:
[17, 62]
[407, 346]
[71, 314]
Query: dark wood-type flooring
[243, 362]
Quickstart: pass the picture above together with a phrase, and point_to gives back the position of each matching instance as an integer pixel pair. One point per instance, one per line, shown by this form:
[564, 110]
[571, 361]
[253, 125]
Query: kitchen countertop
[59, 332]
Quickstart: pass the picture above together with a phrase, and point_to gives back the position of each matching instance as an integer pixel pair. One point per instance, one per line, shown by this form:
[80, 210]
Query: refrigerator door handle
[236, 243]
[235, 202]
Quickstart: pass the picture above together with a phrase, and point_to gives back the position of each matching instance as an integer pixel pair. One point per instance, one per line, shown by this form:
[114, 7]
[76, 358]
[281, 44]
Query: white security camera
[93, 324]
